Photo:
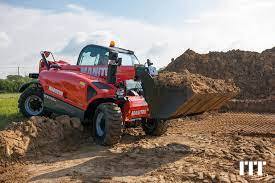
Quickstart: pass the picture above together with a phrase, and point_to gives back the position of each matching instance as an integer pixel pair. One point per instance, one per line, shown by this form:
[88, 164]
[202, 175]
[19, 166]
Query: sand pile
[253, 72]
[20, 138]
[195, 82]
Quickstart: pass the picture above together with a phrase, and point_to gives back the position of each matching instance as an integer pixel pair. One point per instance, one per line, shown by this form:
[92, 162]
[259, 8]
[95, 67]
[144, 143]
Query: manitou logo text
[56, 91]
[95, 71]
[250, 165]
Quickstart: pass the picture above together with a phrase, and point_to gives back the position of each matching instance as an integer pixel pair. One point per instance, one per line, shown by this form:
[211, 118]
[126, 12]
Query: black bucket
[167, 103]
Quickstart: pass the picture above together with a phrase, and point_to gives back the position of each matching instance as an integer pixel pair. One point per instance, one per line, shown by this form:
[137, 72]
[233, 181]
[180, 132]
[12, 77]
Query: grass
[8, 109]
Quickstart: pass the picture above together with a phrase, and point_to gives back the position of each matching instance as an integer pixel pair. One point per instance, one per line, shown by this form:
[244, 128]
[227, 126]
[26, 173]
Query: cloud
[4, 39]
[81, 39]
[157, 48]
[65, 33]
[157, 51]
[75, 7]
[245, 22]
[192, 21]
[229, 24]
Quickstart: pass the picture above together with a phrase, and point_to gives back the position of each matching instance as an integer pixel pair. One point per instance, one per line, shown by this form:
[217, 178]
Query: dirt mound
[195, 82]
[253, 72]
[18, 139]
[10, 173]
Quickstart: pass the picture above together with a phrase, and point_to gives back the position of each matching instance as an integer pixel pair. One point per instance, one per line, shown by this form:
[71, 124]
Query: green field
[8, 109]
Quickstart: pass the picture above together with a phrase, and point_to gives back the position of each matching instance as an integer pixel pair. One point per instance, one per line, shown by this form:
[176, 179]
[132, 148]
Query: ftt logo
[250, 165]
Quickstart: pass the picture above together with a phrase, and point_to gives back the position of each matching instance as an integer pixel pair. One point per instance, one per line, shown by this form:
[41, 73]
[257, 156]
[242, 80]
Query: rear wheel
[31, 102]
[107, 124]
[154, 127]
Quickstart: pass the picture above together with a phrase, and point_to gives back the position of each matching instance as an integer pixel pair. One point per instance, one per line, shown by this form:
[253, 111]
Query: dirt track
[192, 150]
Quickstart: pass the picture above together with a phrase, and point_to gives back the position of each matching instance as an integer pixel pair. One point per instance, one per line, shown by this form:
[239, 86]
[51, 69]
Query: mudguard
[26, 85]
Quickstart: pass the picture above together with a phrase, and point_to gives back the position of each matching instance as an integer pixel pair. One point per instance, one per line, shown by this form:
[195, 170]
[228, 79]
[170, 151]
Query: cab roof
[115, 49]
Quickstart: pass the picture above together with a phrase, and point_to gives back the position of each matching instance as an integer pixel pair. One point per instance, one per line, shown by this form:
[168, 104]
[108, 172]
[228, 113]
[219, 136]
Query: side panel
[60, 107]
[125, 73]
[65, 86]
[71, 92]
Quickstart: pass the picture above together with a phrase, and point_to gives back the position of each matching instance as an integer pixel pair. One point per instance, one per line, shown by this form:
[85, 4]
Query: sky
[155, 29]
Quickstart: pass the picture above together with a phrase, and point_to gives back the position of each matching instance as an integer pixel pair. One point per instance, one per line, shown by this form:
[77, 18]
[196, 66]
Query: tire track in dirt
[206, 148]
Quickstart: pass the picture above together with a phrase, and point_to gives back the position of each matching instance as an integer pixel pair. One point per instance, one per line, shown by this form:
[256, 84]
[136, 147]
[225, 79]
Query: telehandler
[111, 90]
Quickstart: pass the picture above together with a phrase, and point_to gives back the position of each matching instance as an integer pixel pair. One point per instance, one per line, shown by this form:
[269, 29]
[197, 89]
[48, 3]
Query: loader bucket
[168, 103]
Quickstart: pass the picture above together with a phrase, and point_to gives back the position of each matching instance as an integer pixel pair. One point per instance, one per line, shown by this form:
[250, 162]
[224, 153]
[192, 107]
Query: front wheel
[107, 124]
[31, 102]
[154, 127]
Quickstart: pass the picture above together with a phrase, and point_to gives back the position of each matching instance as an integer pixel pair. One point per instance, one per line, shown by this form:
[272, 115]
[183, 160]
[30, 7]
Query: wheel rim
[34, 105]
[100, 124]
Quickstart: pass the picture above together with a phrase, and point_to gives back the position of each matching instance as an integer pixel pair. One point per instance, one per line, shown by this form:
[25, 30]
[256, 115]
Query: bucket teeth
[202, 103]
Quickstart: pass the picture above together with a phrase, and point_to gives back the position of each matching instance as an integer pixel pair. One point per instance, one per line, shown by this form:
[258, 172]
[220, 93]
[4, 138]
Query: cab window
[93, 55]
[128, 59]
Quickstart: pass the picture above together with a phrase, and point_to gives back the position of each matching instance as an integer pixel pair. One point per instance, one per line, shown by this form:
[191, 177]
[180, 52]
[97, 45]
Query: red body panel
[73, 86]
[135, 107]
[70, 83]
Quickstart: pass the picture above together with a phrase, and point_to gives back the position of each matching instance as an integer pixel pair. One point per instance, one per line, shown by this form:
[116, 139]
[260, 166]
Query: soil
[195, 82]
[252, 72]
[19, 139]
[202, 148]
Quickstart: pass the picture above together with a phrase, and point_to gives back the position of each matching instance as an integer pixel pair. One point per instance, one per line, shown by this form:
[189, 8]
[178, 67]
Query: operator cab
[102, 57]
[95, 55]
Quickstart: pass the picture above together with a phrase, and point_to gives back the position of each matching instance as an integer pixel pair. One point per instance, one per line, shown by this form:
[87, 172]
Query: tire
[31, 102]
[154, 127]
[107, 124]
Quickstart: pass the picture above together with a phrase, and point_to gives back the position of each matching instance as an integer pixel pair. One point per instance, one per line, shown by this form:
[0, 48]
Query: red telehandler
[111, 90]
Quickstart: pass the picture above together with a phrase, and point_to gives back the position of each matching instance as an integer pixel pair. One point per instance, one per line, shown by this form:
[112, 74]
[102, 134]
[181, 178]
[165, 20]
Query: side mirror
[149, 63]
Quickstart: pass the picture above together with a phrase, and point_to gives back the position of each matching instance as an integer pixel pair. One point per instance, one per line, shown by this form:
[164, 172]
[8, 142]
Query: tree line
[12, 83]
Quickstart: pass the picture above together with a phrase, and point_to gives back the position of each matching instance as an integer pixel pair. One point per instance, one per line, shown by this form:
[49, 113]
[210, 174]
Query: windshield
[128, 59]
[96, 55]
